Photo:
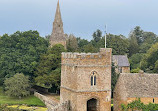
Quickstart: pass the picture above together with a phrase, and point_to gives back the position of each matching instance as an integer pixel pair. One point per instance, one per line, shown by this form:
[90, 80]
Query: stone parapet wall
[48, 102]
[61, 107]
[70, 55]
[101, 59]
[52, 105]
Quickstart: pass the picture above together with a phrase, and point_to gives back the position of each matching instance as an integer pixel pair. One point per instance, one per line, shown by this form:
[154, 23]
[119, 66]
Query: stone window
[93, 79]
[153, 100]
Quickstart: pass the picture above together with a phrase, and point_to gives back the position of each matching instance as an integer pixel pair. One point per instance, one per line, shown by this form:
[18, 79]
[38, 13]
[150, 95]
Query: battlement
[70, 55]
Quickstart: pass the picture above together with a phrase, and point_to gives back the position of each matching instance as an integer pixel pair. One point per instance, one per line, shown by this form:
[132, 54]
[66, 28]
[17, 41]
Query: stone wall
[125, 69]
[52, 105]
[61, 107]
[48, 102]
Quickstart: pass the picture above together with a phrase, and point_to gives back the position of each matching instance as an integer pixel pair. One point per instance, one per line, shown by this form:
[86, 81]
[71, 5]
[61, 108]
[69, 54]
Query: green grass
[30, 100]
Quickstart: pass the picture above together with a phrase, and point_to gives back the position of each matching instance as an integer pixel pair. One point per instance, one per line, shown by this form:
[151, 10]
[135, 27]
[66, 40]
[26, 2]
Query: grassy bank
[30, 100]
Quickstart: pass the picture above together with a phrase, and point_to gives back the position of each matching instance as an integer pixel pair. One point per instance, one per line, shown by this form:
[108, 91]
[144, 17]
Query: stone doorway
[92, 105]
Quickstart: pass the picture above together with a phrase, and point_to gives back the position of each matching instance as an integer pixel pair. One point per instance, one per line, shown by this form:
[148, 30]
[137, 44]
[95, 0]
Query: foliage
[30, 100]
[135, 60]
[149, 61]
[114, 77]
[17, 86]
[90, 48]
[82, 42]
[118, 43]
[133, 47]
[72, 44]
[97, 36]
[49, 69]
[135, 70]
[20, 52]
[140, 43]
[138, 105]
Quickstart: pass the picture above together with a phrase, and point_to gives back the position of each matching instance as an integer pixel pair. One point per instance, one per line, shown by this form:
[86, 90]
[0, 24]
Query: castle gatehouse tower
[86, 80]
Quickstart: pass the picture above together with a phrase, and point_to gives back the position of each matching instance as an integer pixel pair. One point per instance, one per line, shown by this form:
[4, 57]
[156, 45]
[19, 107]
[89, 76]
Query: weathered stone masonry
[52, 105]
[76, 72]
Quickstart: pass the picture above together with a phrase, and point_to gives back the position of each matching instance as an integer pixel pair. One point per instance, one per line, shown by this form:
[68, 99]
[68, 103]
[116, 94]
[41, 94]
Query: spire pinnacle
[58, 36]
[58, 13]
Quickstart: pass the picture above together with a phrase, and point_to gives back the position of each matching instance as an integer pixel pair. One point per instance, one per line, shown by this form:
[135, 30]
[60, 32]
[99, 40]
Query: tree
[138, 33]
[72, 44]
[49, 68]
[20, 52]
[118, 43]
[135, 60]
[149, 38]
[17, 86]
[114, 77]
[89, 48]
[133, 47]
[97, 35]
[149, 61]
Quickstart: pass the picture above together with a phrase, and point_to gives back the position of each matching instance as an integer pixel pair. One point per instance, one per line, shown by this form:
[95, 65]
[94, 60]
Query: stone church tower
[86, 80]
[58, 36]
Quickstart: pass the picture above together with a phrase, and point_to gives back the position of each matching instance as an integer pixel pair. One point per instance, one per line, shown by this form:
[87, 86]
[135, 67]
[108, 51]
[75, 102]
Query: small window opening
[93, 79]
[153, 100]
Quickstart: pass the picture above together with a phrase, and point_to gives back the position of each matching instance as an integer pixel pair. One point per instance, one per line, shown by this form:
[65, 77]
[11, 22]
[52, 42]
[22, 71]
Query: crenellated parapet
[70, 55]
[101, 58]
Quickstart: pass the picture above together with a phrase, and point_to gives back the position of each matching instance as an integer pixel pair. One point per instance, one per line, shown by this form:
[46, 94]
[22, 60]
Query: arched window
[93, 79]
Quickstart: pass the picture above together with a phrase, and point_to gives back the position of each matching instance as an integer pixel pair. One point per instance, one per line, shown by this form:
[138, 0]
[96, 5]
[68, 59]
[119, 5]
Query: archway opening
[92, 105]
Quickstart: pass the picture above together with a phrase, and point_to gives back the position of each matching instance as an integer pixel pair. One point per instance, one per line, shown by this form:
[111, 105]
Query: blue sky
[80, 17]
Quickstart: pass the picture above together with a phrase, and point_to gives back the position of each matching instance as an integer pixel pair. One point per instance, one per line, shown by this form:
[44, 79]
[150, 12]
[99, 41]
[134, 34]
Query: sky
[80, 17]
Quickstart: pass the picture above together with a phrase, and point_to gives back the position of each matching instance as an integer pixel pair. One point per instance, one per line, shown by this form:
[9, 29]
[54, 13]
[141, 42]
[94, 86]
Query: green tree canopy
[135, 60]
[72, 44]
[49, 69]
[118, 43]
[17, 86]
[149, 61]
[20, 52]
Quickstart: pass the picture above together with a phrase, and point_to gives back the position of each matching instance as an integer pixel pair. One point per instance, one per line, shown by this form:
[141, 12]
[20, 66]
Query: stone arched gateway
[93, 105]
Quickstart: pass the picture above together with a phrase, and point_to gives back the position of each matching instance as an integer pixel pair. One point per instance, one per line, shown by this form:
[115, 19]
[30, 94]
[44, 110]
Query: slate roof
[121, 60]
[139, 85]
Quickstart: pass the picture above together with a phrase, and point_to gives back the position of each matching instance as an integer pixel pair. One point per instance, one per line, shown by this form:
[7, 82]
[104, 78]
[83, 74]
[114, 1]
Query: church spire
[58, 13]
[58, 36]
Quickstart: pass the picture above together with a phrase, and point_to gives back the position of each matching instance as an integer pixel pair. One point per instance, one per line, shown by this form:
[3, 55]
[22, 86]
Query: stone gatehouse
[86, 80]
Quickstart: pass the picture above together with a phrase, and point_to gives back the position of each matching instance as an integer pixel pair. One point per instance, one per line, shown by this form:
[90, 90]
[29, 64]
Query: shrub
[17, 86]
[138, 105]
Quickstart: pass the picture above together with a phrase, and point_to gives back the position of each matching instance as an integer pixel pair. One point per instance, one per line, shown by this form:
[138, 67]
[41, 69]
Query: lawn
[30, 100]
